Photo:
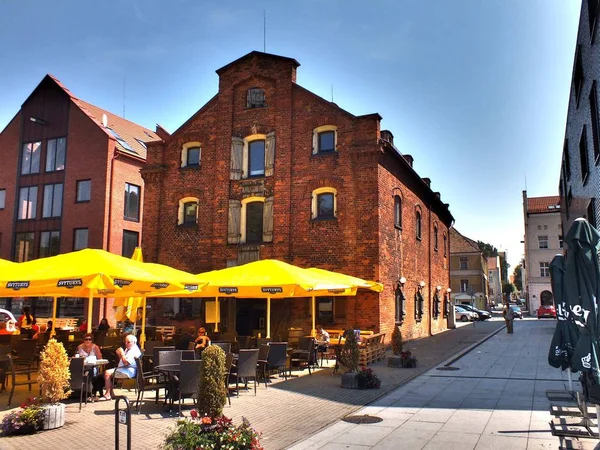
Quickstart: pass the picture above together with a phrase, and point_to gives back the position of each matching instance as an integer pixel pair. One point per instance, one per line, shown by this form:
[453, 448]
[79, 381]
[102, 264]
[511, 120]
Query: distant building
[69, 179]
[494, 280]
[468, 272]
[580, 171]
[543, 240]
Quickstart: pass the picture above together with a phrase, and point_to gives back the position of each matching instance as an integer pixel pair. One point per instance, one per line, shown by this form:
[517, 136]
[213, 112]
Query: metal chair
[225, 346]
[188, 355]
[246, 368]
[27, 354]
[189, 376]
[155, 352]
[14, 372]
[245, 342]
[79, 379]
[169, 357]
[262, 363]
[305, 355]
[146, 381]
[227, 373]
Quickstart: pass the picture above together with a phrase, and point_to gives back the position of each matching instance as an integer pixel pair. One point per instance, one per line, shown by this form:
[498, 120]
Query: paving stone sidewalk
[495, 400]
[285, 412]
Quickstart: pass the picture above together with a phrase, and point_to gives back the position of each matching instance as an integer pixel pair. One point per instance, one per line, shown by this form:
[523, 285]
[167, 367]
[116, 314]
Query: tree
[517, 277]
[504, 269]
[488, 250]
[508, 289]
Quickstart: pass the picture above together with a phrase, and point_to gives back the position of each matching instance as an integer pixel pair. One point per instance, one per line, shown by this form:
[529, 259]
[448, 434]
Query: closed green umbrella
[566, 334]
[582, 287]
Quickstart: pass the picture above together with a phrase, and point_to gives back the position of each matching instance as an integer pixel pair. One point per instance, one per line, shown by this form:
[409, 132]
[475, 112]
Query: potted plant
[54, 383]
[395, 360]
[217, 433]
[26, 420]
[350, 359]
[408, 361]
[212, 393]
[367, 379]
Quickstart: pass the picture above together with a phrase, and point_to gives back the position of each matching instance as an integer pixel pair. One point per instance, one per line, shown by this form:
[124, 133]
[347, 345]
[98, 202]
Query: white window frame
[243, 215]
[181, 209]
[321, 129]
[184, 153]
[464, 283]
[465, 260]
[245, 159]
[314, 210]
[541, 239]
[544, 270]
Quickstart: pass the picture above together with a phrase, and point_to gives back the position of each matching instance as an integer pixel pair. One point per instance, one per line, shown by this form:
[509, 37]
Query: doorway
[251, 314]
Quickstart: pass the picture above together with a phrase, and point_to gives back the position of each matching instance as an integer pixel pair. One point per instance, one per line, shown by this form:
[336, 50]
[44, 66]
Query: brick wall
[9, 150]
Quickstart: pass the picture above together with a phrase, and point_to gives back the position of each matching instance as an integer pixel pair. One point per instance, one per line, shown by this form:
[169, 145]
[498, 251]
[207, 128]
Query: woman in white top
[88, 348]
[126, 367]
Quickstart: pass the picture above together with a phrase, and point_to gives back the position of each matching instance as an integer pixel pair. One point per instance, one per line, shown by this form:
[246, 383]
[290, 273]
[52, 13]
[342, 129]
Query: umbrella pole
[217, 314]
[268, 317]
[54, 317]
[570, 378]
[143, 333]
[313, 332]
[89, 318]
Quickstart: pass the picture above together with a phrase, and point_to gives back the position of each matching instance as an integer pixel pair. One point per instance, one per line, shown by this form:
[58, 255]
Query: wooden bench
[61, 322]
[372, 348]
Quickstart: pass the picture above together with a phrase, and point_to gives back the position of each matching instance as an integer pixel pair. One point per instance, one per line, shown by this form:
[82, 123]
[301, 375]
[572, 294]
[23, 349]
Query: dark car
[483, 315]
[517, 311]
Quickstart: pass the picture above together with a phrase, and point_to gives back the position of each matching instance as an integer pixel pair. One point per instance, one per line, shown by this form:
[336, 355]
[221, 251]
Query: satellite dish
[104, 120]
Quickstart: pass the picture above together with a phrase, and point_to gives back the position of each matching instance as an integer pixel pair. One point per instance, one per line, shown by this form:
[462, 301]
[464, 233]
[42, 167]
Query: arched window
[256, 158]
[546, 298]
[397, 211]
[325, 139]
[188, 211]
[418, 224]
[435, 237]
[190, 154]
[324, 203]
[252, 221]
[445, 245]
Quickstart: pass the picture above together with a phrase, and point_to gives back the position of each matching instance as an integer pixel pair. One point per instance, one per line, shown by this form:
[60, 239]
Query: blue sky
[475, 90]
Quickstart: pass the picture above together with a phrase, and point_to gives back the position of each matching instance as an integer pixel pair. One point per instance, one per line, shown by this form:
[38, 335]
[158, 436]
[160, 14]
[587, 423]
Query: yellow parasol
[127, 307]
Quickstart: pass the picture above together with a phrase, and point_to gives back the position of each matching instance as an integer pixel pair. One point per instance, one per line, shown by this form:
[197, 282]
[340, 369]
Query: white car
[465, 315]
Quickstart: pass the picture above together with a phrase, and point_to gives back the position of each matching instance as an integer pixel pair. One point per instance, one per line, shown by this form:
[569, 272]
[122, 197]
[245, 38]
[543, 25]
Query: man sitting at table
[322, 337]
[126, 367]
[202, 341]
[188, 338]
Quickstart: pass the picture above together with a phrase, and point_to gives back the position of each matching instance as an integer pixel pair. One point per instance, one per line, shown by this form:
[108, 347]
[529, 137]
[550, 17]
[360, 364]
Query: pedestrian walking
[509, 317]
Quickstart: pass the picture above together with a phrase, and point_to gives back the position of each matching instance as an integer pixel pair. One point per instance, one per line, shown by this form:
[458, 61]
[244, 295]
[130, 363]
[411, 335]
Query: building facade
[468, 272]
[494, 280]
[70, 179]
[579, 184]
[543, 240]
[267, 169]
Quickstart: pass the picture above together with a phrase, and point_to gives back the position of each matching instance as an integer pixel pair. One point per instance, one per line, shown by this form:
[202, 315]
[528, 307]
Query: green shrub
[212, 393]
[350, 357]
[397, 341]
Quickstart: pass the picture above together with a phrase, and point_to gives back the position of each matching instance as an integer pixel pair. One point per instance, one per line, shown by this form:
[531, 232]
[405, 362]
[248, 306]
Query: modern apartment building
[268, 169]
[69, 179]
[543, 240]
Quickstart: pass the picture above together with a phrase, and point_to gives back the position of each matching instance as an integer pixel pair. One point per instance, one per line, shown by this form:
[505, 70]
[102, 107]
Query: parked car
[481, 315]
[517, 311]
[521, 301]
[546, 311]
[464, 315]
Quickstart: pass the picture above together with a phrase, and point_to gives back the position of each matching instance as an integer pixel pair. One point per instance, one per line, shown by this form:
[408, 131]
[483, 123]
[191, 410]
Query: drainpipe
[109, 227]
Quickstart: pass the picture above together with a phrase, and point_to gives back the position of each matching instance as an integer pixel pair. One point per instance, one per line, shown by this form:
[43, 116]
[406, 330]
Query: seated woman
[126, 367]
[86, 349]
[202, 341]
[103, 326]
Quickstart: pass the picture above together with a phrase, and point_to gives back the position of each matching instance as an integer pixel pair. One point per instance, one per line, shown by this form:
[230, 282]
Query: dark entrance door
[250, 315]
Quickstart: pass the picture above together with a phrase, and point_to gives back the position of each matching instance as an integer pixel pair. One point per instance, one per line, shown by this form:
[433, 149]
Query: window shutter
[270, 154]
[237, 148]
[268, 220]
[233, 226]
[315, 149]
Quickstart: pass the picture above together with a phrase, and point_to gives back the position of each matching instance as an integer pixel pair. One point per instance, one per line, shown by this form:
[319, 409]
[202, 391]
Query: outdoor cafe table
[170, 370]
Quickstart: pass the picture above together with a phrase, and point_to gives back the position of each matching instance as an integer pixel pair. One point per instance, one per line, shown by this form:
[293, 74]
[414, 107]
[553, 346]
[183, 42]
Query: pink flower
[194, 414]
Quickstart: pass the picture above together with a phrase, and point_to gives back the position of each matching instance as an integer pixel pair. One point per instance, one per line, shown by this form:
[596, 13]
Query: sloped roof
[537, 205]
[128, 136]
[462, 244]
[260, 55]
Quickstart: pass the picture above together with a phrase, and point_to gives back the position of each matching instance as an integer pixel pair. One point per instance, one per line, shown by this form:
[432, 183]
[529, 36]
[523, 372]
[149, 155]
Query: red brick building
[267, 169]
[69, 179]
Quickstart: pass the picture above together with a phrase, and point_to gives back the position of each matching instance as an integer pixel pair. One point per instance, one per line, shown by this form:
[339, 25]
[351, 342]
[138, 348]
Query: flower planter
[394, 361]
[54, 416]
[409, 363]
[350, 380]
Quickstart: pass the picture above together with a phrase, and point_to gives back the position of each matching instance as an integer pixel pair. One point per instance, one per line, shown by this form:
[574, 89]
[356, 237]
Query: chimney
[437, 195]
[427, 182]
[387, 135]
[409, 159]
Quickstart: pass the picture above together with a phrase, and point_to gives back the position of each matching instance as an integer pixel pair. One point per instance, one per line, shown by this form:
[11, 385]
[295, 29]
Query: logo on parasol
[70, 283]
[336, 291]
[586, 361]
[159, 285]
[120, 282]
[271, 290]
[191, 287]
[16, 285]
[228, 290]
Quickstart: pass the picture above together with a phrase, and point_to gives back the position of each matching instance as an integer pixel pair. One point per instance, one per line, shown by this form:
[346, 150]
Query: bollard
[122, 416]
